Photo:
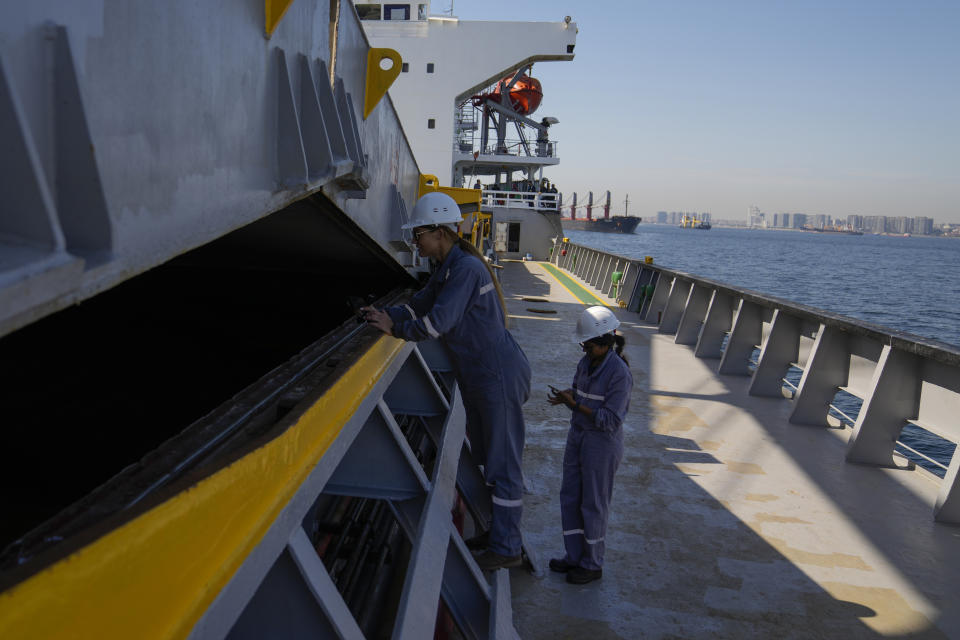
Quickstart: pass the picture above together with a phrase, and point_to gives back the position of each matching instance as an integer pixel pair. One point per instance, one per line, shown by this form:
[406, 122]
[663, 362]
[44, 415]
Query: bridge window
[429, 67]
[421, 12]
[405, 67]
[368, 11]
[396, 12]
[431, 124]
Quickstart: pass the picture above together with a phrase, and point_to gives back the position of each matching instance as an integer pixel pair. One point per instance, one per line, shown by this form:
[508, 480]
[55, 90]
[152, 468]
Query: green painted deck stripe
[583, 295]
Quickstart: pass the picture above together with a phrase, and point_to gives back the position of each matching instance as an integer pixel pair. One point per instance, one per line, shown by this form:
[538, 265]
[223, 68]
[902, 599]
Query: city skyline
[846, 107]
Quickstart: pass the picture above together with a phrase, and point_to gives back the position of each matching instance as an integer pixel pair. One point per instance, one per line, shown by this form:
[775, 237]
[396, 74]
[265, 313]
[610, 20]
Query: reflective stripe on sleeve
[487, 288]
[507, 503]
[589, 541]
[572, 532]
[429, 325]
[592, 396]
[412, 314]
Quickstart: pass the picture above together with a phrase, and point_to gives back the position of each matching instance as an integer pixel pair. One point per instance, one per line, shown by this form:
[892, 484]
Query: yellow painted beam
[379, 78]
[155, 576]
[461, 196]
[273, 13]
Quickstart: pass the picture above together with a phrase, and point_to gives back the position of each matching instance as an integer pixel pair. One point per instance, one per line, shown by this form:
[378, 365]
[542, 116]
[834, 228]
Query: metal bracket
[291, 156]
[378, 78]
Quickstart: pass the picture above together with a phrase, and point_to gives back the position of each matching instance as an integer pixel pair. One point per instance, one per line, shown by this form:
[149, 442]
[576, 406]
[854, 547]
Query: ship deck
[727, 521]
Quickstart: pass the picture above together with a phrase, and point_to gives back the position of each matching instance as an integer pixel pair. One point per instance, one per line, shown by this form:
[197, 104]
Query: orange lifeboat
[525, 96]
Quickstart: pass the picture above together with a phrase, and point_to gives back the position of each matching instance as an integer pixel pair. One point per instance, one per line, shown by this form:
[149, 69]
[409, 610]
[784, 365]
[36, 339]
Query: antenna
[626, 205]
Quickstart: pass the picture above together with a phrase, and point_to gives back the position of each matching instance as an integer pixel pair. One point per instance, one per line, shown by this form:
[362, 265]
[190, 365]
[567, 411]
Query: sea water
[905, 283]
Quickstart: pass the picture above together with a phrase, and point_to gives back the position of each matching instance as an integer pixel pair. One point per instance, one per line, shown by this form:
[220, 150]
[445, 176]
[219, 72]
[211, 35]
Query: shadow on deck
[726, 521]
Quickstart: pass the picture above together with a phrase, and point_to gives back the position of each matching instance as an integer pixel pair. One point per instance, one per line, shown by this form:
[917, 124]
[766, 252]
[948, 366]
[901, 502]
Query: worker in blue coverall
[462, 306]
[599, 399]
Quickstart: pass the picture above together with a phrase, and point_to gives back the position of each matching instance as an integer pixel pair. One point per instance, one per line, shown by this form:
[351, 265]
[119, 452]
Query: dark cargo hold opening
[92, 389]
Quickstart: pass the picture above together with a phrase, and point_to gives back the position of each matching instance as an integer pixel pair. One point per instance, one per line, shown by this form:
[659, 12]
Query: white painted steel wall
[466, 56]
[182, 102]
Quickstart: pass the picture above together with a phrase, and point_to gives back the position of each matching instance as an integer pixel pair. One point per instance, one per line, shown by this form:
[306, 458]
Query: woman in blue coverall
[599, 399]
[462, 306]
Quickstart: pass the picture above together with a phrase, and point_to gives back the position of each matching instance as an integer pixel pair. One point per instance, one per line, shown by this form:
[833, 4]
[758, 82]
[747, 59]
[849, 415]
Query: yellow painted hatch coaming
[156, 575]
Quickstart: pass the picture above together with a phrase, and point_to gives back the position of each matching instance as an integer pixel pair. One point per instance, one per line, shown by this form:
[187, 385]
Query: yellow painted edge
[429, 183]
[274, 11]
[379, 80]
[155, 576]
[575, 296]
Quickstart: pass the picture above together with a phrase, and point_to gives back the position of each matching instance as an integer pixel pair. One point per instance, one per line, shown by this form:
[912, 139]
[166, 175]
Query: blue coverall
[593, 453]
[460, 307]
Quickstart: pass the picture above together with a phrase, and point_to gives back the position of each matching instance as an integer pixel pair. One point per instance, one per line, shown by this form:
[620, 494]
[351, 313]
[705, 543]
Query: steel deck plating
[727, 520]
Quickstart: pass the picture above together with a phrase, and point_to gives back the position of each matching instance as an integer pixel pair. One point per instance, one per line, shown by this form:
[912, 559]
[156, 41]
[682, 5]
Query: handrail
[521, 200]
[523, 148]
[902, 378]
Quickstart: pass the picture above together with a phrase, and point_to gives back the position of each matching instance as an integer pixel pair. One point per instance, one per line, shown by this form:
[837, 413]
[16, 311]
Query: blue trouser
[496, 430]
[590, 462]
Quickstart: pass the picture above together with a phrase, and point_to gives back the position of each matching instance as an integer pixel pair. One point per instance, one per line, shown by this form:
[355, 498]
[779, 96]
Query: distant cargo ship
[613, 224]
[692, 222]
[849, 232]
[606, 224]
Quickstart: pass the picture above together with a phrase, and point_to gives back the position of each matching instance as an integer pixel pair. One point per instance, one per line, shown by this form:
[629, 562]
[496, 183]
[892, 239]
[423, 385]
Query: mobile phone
[553, 388]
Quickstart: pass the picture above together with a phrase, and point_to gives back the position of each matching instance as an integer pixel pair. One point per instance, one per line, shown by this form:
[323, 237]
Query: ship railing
[521, 148]
[533, 200]
[838, 372]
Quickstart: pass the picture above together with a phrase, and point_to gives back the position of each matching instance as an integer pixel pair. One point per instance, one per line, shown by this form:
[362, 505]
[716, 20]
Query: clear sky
[809, 106]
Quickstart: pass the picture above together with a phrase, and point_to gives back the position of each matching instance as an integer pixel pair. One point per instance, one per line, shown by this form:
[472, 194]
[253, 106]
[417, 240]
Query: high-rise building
[923, 225]
[874, 224]
[899, 224]
[661, 217]
[784, 220]
[855, 222]
[799, 220]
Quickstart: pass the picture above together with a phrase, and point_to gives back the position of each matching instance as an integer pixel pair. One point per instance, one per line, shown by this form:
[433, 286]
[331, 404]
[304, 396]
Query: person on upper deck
[462, 306]
[599, 399]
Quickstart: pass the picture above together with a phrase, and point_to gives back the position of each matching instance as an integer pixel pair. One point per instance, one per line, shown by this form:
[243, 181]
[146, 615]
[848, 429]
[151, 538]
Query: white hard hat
[434, 208]
[595, 322]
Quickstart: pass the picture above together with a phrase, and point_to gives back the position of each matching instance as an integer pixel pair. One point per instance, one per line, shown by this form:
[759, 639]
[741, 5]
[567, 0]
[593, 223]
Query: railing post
[826, 371]
[676, 302]
[893, 399]
[715, 326]
[595, 267]
[605, 284]
[744, 337]
[658, 300]
[594, 258]
[947, 509]
[693, 315]
[583, 260]
[779, 351]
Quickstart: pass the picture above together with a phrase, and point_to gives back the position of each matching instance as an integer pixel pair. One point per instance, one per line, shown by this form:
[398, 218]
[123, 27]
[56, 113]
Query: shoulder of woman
[622, 368]
[468, 263]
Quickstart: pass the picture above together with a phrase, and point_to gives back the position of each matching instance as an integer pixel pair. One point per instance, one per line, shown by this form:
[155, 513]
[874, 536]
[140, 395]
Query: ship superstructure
[463, 98]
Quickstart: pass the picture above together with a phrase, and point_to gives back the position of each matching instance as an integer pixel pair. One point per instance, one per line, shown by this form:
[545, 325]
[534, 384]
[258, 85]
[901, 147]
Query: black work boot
[476, 543]
[579, 575]
[490, 560]
[560, 565]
